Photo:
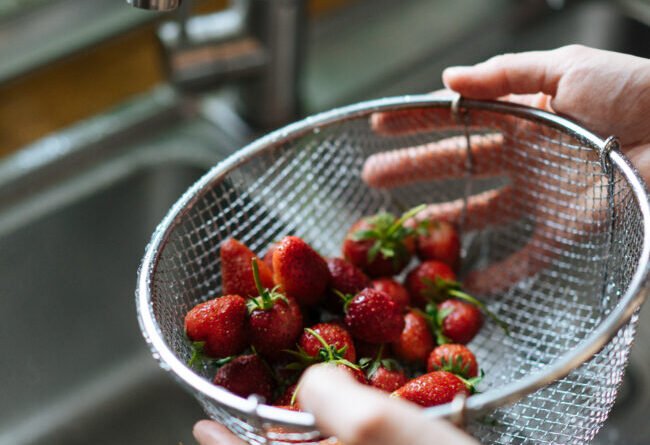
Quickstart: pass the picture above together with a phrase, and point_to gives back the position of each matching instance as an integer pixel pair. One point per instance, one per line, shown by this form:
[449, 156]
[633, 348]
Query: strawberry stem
[256, 277]
[346, 298]
[292, 402]
[456, 293]
[333, 355]
[405, 217]
[322, 341]
[267, 298]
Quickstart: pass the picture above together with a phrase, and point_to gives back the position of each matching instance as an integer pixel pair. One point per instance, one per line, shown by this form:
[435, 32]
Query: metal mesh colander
[562, 258]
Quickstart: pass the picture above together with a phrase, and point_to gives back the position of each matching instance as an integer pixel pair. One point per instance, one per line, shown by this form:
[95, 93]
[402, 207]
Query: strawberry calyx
[422, 227]
[440, 289]
[199, 358]
[327, 354]
[472, 383]
[388, 233]
[455, 365]
[346, 298]
[372, 365]
[267, 297]
[434, 318]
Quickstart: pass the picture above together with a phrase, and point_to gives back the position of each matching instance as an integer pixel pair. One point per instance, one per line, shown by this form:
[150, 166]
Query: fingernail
[206, 432]
[452, 72]
[456, 70]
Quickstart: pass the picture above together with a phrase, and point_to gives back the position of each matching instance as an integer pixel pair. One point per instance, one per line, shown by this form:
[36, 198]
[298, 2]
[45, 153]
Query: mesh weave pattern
[552, 257]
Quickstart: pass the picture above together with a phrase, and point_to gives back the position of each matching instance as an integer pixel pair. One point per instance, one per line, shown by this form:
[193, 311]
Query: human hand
[355, 414]
[606, 92]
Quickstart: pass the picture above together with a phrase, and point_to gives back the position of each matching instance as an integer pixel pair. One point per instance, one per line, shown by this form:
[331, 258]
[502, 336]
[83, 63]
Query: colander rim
[490, 399]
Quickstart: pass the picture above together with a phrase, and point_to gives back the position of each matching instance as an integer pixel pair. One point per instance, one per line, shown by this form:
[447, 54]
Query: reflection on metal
[255, 42]
[155, 5]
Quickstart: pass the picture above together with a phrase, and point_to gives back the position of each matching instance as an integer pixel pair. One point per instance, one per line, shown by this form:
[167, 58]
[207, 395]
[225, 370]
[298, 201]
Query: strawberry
[381, 245]
[246, 375]
[345, 278]
[327, 353]
[387, 380]
[356, 373]
[268, 256]
[288, 397]
[300, 271]
[275, 320]
[434, 388]
[416, 340]
[334, 335]
[428, 282]
[454, 358]
[435, 282]
[383, 373]
[373, 317]
[393, 289]
[289, 408]
[459, 321]
[236, 271]
[218, 326]
[438, 240]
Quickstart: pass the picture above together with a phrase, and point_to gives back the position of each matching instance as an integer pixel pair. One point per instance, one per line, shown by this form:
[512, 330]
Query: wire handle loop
[611, 143]
[461, 116]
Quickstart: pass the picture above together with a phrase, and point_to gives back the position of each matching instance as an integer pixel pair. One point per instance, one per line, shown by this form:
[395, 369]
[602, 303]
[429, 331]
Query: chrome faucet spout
[155, 5]
[255, 45]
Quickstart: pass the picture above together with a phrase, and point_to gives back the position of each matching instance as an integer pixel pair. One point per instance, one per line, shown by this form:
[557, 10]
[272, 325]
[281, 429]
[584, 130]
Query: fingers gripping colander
[579, 221]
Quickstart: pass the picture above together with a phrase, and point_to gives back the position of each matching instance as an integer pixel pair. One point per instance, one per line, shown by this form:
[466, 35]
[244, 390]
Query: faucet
[256, 43]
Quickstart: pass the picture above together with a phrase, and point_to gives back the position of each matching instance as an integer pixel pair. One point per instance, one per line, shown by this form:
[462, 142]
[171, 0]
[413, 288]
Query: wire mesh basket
[555, 232]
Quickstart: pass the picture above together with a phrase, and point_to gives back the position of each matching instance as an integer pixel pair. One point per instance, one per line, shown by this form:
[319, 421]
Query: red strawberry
[434, 388]
[358, 374]
[220, 324]
[387, 380]
[373, 317]
[454, 358]
[334, 335]
[416, 340]
[435, 282]
[246, 375]
[428, 282]
[460, 321]
[345, 278]
[438, 240]
[275, 321]
[381, 245]
[300, 271]
[393, 289]
[383, 373]
[289, 408]
[236, 271]
[288, 397]
[268, 256]
[326, 353]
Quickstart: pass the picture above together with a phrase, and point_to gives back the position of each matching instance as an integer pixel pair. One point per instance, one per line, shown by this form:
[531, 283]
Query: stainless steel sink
[75, 369]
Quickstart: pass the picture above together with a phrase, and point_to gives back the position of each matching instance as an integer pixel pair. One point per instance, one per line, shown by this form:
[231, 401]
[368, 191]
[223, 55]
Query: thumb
[361, 415]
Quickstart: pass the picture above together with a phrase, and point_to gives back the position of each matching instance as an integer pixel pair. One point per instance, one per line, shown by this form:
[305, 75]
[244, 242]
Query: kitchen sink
[75, 369]
[69, 330]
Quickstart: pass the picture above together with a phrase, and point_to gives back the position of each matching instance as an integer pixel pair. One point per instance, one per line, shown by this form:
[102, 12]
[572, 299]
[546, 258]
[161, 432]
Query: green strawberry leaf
[197, 356]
